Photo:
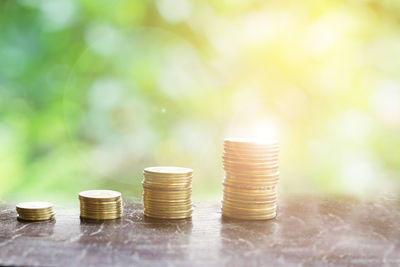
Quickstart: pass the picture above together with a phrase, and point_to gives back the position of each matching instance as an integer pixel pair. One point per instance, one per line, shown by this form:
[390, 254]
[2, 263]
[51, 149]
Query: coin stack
[35, 211]
[100, 204]
[251, 176]
[167, 192]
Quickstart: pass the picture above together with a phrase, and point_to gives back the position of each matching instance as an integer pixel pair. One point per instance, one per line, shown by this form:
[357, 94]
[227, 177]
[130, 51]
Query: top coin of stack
[251, 175]
[167, 192]
[100, 204]
[35, 211]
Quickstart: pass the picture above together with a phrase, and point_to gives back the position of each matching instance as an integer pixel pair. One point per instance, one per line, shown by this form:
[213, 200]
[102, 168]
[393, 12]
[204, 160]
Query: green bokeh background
[91, 92]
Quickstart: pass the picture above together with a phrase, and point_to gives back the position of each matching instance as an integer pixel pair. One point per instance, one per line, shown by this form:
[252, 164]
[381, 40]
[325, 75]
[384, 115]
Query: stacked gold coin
[35, 211]
[100, 204]
[167, 192]
[251, 176]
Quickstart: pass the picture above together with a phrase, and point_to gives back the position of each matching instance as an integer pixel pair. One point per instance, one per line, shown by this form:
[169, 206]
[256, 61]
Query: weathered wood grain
[307, 231]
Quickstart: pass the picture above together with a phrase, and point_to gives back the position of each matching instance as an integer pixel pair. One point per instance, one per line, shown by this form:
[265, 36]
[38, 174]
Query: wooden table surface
[307, 231]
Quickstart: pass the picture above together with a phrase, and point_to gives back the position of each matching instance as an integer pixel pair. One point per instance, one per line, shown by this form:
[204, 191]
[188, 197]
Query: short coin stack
[35, 211]
[251, 176]
[167, 192]
[100, 204]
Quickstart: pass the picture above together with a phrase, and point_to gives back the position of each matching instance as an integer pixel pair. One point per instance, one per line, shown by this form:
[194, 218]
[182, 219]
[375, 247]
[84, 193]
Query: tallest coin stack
[251, 176]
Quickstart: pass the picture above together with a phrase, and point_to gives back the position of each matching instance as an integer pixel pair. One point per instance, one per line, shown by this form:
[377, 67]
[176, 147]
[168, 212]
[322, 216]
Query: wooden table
[308, 231]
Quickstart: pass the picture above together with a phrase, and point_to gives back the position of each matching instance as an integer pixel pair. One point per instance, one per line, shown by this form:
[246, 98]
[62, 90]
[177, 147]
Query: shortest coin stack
[35, 211]
[167, 192]
[100, 204]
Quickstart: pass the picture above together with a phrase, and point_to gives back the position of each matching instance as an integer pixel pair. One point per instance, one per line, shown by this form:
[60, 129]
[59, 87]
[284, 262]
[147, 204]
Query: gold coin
[101, 207]
[97, 195]
[166, 200]
[250, 156]
[234, 215]
[179, 202]
[250, 214]
[166, 188]
[250, 159]
[167, 195]
[247, 187]
[35, 218]
[99, 201]
[259, 197]
[43, 211]
[168, 170]
[250, 199]
[160, 197]
[248, 205]
[183, 216]
[34, 205]
[246, 195]
[233, 199]
[252, 142]
[249, 208]
[269, 177]
[169, 187]
[244, 183]
[255, 149]
[246, 216]
[100, 212]
[36, 215]
[252, 173]
[111, 217]
[83, 209]
[168, 212]
[250, 169]
[178, 208]
[248, 164]
[243, 176]
[168, 205]
[167, 181]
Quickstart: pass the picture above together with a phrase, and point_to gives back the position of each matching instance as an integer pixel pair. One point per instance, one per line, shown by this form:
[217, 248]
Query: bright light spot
[163, 110]
[257, 28]
[105, 93]
[193, 137]
[293, 103]
[354, 125]
[254, 129]
[102, 38]
[386, 102]
[174, 11]
[264, 131]
[359, 173]
[58, 13]
[326, 31]
[180, 72]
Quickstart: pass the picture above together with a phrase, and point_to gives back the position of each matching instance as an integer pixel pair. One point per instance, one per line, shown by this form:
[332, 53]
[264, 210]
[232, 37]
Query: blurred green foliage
[91, 92]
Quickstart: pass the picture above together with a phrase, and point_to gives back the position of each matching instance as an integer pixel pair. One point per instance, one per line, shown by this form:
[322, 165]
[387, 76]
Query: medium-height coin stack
[35, 211]
[100, 204]
[167, 192]
[251, 176]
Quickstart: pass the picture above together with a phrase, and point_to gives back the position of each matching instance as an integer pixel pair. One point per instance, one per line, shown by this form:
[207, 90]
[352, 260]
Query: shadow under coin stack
[100, 204]
[251, 176]
[35, 211]
[167, 192]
